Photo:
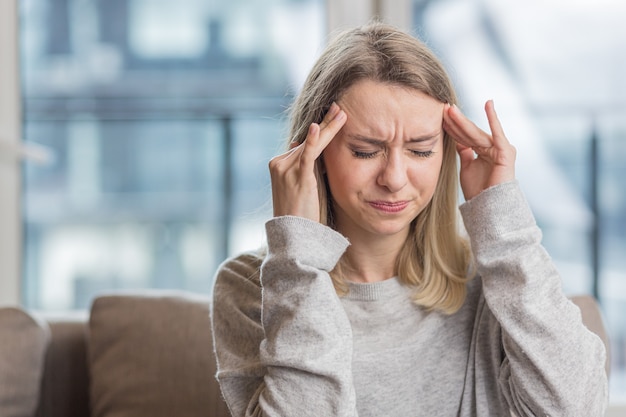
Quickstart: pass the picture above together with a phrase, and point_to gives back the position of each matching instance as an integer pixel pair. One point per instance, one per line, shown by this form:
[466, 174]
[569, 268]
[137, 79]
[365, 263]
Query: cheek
[347, 176]
[333, 171]
[338, 162]
[340, 174]
[425, 174]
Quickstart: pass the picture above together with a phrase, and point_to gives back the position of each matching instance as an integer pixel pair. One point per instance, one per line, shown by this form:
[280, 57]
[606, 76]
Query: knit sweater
[287, 345]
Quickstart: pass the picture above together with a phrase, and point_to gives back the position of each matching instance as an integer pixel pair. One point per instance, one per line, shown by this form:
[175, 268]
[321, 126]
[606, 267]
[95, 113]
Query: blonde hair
[434, 259]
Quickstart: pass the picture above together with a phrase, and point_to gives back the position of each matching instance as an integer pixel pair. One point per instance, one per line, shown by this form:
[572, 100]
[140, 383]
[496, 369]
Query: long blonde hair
[434, 259]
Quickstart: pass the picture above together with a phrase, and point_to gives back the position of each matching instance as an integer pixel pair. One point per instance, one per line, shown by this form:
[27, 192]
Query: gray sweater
[287, 345]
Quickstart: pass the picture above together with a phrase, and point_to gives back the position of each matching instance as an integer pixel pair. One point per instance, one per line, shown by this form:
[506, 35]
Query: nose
[393, 173]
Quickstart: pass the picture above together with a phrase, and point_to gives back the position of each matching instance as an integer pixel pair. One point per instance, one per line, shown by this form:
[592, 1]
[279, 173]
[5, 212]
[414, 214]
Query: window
[161, 117]
[555, 70]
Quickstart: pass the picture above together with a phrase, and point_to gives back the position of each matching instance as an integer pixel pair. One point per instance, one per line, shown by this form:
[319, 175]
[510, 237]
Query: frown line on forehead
[374, 141]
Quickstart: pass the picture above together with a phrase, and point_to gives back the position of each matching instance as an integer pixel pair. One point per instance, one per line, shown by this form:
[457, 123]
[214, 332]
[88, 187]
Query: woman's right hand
[294, 185]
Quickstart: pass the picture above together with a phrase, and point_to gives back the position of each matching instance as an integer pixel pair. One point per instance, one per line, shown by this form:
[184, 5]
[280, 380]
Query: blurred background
[161, 118]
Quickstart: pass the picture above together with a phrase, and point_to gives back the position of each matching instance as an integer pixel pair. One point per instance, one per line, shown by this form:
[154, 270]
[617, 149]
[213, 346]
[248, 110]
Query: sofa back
[133, 356]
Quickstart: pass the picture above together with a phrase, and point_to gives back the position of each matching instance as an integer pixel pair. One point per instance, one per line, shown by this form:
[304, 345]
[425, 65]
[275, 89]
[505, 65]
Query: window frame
[10, 157]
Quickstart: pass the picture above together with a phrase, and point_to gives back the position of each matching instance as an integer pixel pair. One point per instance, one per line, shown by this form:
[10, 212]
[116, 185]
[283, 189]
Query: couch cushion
[151, 355]
[24, 340]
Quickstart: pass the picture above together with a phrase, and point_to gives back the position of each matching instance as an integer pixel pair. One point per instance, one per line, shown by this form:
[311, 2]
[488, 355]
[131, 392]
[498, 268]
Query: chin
[391, 229]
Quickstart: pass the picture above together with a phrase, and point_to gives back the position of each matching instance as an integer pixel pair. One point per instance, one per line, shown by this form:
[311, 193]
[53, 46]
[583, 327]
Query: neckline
[373, 291]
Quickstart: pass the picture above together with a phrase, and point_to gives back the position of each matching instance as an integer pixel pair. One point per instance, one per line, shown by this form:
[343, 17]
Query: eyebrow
[380, 142]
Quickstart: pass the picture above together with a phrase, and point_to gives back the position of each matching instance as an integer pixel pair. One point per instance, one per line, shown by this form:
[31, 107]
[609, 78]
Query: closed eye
[423, 154]
[364, 155]
[367, 155]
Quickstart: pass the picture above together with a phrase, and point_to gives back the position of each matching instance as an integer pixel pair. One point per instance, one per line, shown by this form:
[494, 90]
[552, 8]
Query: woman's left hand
[486, 159]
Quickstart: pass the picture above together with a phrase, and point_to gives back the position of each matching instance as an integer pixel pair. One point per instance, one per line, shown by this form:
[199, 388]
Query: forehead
[380, 109]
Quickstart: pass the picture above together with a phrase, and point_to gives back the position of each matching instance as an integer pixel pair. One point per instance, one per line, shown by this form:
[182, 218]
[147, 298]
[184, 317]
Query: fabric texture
[593, 319]
[286, 344]
[65, 381]
[21, 361]
[150, 355]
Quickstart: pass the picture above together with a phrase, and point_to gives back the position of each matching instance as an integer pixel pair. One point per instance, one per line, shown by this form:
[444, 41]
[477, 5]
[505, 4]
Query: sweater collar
[382, 290]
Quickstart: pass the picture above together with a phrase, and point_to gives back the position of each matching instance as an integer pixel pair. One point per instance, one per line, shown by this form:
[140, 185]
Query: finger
[464, 130]
[454, 131]
[330, 115]
[283, 162]
[308, 149]
[497, 132]
[319, 138]
[293, 149]
[457, 134]
[460, 137]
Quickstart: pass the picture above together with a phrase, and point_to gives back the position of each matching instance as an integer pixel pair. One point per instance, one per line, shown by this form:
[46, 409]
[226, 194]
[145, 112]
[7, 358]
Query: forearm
[287, 351]
[308, 342]
[551, 359]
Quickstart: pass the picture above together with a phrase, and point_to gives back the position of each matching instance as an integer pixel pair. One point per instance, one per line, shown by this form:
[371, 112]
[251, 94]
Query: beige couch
[134, 355]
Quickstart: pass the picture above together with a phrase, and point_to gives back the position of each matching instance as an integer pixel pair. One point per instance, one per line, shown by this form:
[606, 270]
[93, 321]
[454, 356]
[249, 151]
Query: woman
[366, 300]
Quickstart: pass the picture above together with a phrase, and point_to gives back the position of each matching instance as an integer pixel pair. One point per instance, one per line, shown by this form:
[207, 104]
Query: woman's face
[383, 166]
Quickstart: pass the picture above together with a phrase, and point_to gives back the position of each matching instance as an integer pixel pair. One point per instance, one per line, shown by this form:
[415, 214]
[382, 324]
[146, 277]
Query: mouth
[389, 206]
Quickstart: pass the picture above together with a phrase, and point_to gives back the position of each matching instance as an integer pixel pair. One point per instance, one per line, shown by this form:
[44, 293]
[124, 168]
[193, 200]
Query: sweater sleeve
[550, 364]
[283, 343]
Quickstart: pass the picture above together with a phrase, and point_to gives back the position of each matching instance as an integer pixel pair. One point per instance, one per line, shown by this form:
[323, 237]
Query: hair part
[434, 259]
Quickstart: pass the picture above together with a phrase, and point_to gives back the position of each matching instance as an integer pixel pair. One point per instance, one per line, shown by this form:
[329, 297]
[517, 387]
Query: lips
[389, 206]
